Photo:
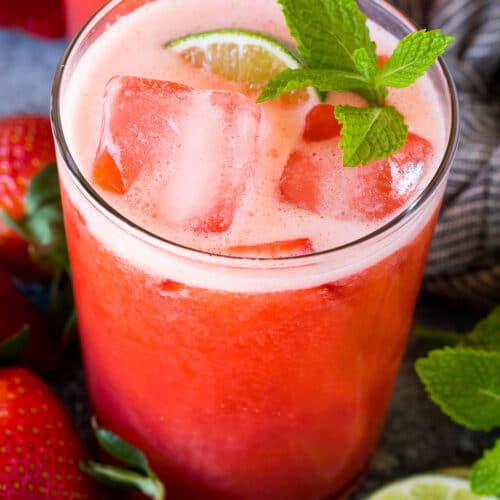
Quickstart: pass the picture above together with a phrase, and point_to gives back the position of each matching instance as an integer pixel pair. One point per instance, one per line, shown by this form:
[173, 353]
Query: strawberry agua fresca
[243, 298]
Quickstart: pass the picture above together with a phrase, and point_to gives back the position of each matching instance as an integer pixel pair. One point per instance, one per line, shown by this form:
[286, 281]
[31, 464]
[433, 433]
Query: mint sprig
[485, 475]
[333, 40]
[465, 382]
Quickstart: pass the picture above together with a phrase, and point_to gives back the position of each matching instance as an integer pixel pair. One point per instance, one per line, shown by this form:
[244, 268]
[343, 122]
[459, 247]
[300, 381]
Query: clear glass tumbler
[243, 378]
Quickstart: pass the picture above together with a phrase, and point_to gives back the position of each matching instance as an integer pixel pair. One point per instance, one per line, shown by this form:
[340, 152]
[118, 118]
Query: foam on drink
[134, 46]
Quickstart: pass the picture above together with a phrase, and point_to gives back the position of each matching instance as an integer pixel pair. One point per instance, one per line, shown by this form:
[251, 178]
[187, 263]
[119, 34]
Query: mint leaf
[321, 79]
[485, 476]
[370, 133]
[414, 54]
[365, 64]
[465, 384]
[333, 39]
[486, 334]
[328, 32]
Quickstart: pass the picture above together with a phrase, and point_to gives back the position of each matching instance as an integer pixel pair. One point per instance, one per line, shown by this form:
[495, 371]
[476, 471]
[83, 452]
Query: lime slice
[242, 56]
[428, 487]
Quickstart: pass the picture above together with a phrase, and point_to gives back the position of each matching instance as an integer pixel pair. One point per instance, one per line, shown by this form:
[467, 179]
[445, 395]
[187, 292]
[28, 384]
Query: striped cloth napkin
[464, 262]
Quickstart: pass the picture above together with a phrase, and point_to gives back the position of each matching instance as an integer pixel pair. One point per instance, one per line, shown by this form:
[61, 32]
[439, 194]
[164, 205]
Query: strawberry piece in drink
[321, 123]
[284, 248]
[191, 150]
[315, 180]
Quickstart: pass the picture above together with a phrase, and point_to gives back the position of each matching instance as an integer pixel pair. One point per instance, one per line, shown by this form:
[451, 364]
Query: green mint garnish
[334, 42]
[328, 32]
[485, 475]
[414, 54]
[370, 133]
[465, 382]
[486, 334]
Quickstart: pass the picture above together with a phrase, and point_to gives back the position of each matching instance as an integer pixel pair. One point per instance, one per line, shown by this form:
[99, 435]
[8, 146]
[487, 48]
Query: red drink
[242, 378]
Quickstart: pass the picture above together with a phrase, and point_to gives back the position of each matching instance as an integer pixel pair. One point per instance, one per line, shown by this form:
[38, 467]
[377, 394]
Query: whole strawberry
[31, 229]
[39, 449]
[42, 18]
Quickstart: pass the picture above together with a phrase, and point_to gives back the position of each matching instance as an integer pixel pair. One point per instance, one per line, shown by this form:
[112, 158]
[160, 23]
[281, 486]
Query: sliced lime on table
[428, 487]
[242, 56]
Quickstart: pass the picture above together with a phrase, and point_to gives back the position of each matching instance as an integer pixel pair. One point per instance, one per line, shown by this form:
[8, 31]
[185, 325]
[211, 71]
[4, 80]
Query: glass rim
[96, 199]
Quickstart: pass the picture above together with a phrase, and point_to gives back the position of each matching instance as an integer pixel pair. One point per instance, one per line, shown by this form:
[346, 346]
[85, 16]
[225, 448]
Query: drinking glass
[243, 378]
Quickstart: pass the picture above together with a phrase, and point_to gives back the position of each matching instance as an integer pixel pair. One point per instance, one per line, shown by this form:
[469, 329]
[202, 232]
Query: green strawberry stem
[12, 348]
[138, 475]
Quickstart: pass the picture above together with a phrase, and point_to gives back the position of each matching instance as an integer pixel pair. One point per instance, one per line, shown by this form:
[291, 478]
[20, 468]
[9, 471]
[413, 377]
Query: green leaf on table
[413, 56]
[485, 476]
[465, 383]
[370, 133]
[328, 32]
[486, 334]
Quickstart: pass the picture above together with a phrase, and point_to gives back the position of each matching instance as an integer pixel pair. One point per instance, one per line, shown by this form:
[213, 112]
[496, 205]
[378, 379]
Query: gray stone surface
[417, 436]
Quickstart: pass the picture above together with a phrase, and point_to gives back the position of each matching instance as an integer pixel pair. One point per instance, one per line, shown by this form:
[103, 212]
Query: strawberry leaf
[138, 475]
[123, 451]
[12, 348]
[42, 226]
[44, 188]
[124, 478]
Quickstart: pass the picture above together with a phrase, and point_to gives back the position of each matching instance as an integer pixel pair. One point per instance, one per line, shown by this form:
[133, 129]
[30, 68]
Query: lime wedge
[428, 487]
[242, 56]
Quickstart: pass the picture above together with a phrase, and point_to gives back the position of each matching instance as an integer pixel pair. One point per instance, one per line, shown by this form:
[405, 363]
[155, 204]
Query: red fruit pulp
[314, 180]
[286, 248]
[244, 395]
[321, 123]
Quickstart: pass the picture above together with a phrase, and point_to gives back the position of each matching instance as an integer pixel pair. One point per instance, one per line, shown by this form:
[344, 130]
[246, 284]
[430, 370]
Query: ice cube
[196, 146]
[315, 180]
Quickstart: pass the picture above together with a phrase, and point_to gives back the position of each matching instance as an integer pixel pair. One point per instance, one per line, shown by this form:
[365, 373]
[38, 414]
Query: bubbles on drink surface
[212, 169]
